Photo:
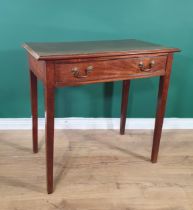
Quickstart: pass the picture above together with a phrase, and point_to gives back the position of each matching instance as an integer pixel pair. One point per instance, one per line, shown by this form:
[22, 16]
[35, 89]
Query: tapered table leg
[49, 128]
[125, 95]
[34, 110]
[162, 98]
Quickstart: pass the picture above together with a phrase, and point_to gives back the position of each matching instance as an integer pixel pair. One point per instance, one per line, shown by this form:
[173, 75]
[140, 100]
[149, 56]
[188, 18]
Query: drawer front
[100, 70]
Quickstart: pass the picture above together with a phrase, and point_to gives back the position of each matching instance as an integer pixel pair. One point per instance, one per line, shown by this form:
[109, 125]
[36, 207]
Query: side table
[79, 63]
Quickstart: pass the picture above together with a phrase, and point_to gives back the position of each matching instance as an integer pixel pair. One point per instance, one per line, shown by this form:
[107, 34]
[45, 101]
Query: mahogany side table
[79, 63]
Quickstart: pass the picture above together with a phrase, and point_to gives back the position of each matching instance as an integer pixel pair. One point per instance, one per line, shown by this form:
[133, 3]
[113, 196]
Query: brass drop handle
[142, 66]
[76, 73]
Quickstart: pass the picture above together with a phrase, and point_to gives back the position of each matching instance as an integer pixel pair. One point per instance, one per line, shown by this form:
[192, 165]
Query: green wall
[168, 22]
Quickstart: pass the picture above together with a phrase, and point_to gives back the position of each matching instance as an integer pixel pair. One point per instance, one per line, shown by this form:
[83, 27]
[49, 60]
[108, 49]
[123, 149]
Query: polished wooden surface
[108, 69]
[97, 170]
[125, 95]
[69, 64]
[162, 98]
[34, 110]
[49, 126]
[53, 51]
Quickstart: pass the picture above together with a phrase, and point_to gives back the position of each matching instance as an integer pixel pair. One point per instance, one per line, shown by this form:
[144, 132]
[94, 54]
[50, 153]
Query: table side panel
[38, 67]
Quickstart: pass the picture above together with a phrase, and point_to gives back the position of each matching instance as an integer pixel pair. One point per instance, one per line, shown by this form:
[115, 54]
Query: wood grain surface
[108, 69]
[94, 171]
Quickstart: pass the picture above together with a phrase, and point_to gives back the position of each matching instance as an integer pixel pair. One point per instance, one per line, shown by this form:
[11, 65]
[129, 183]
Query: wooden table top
[60, 50]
